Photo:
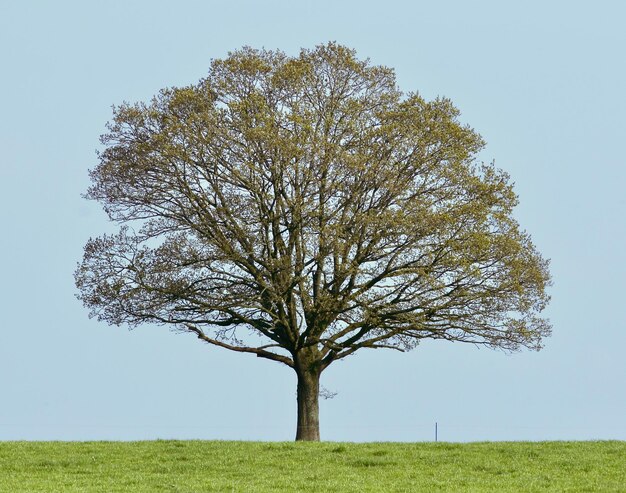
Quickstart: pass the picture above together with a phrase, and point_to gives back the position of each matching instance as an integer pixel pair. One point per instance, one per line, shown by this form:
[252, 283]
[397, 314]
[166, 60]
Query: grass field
[199, 466]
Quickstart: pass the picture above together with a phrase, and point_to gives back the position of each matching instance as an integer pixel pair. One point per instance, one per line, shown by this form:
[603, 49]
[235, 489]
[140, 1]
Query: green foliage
[309, 200]
[197, 466]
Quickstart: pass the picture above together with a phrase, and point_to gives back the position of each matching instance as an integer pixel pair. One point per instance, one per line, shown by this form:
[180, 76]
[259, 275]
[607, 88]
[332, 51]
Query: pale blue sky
[544, 82]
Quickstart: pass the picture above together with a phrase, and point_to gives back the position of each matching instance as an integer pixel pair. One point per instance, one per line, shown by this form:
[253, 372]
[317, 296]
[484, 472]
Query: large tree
[302, 208]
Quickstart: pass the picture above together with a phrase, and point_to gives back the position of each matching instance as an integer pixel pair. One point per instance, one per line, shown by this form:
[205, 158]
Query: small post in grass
[435, 432]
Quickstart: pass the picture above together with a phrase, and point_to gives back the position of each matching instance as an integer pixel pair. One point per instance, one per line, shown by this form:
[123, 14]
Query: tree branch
[260, 351]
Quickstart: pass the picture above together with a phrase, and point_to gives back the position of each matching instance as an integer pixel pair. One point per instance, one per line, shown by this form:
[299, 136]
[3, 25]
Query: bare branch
[261, 352]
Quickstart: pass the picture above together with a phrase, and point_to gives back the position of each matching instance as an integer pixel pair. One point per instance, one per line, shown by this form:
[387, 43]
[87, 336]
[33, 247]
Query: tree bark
[308, 427]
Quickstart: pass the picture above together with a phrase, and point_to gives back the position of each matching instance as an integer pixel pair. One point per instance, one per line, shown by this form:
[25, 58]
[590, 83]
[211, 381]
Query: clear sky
[544, 82]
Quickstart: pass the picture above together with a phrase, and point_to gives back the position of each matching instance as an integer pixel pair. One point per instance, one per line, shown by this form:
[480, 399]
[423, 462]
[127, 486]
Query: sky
[542, 82]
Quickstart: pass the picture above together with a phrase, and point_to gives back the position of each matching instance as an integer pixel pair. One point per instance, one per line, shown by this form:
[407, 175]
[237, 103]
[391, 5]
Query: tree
[302, 208]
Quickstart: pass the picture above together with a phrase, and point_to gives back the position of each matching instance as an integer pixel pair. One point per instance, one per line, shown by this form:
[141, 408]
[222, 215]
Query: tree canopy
[302, 208]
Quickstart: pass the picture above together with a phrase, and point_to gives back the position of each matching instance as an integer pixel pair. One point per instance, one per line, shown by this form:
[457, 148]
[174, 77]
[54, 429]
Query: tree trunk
[308, 428]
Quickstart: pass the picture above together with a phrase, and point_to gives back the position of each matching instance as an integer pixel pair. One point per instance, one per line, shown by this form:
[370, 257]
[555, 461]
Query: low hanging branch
[261, 352]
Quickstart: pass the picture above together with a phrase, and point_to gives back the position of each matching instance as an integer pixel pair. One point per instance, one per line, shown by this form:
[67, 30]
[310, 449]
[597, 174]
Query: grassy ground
[198, 466]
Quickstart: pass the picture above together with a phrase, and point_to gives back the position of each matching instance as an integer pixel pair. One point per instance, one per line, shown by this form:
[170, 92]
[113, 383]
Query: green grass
[199, 466]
